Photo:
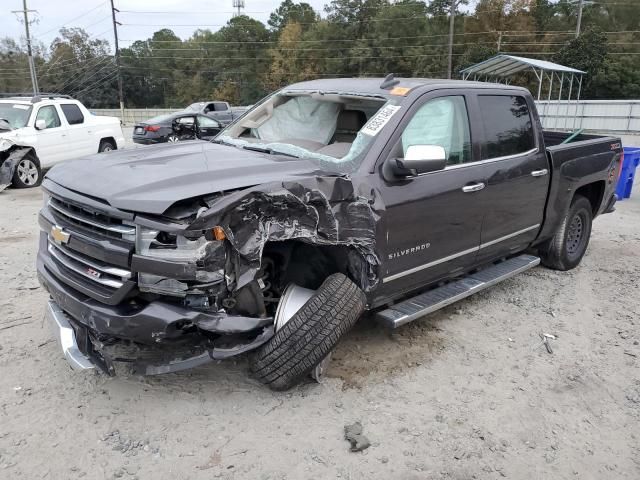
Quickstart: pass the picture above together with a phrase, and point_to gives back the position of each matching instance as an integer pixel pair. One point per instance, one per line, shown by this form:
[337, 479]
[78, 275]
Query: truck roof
[371, 85]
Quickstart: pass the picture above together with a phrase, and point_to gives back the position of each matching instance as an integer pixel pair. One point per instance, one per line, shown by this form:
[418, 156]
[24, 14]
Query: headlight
[170, 246]
[5, 144]
[208, 257]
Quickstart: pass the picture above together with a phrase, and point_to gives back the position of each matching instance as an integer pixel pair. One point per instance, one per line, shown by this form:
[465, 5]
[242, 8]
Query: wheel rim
[107, 148]
[27, 172]
[576, 235]
[173, 139]
[293, 299]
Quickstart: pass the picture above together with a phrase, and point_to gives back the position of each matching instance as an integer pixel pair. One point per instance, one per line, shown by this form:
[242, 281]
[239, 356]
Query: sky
[138, 21]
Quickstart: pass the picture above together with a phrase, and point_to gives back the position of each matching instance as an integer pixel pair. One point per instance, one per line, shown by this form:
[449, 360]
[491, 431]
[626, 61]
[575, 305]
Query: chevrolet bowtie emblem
[59, 235]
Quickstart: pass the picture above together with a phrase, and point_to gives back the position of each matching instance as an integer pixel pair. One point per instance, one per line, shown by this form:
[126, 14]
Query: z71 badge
[409, 251]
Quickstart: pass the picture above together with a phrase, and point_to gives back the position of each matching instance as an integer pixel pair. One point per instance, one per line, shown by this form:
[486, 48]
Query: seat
[349, 124]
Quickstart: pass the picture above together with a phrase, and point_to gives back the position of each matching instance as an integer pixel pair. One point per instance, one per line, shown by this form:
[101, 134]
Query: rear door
[518, 174]
[431, 222]
[81, 141]
[223, 112]
[52, 145]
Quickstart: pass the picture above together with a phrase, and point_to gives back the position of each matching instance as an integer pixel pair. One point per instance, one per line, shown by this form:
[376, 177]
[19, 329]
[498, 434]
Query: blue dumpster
[628, 173]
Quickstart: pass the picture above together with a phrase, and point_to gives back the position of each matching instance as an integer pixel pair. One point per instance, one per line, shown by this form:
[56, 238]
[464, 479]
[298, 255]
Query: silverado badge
[59, 235]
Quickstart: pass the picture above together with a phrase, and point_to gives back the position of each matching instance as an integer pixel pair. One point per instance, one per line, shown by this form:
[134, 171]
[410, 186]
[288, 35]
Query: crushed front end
[145, 293]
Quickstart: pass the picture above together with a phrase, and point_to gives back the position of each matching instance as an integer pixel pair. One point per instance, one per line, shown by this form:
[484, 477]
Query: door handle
[539, 173]
[476, 187]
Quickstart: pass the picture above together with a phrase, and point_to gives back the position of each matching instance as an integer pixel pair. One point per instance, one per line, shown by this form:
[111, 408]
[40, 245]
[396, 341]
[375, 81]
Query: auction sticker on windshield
[379, 120]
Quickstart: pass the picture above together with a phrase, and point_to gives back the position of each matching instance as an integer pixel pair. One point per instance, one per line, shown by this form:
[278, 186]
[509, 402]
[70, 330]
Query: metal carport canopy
[505, 65]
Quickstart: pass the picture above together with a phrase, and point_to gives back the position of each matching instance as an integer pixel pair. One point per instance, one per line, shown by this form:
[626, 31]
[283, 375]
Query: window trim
[536, 140]
[35, 119]
[496, 159]
[467, 115]
[67, 118]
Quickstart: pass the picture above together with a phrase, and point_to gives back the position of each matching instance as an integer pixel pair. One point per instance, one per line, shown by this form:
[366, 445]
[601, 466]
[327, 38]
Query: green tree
[289, 12]
[587, 52]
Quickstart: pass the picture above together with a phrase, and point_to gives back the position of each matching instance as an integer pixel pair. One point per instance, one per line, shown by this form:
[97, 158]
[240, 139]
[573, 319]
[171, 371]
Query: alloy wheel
[28, 172]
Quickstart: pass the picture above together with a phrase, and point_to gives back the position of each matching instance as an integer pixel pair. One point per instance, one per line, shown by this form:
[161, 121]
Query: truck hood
[152, 178]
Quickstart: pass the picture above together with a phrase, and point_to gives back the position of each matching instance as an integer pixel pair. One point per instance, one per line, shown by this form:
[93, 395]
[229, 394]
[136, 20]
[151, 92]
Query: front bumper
[66, 337]
[151, 338]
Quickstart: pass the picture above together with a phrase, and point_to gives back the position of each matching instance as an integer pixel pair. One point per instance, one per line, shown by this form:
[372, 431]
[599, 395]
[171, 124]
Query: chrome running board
[437, 298]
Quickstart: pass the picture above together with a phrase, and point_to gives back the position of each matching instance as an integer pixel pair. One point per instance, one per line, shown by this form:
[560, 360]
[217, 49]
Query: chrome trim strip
[413, 270]
[109, 270]
[116, 229]
[66, 337]
[490, 160]
[58, 256]
[507, 237]
[395, 276]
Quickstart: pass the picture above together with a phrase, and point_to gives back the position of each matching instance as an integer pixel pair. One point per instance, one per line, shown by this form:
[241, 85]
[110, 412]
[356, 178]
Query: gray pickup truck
[220, 111]
[328, 198]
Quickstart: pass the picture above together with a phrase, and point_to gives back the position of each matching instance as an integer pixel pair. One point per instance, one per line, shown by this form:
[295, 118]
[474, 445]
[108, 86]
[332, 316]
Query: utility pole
[451, 28]
[499, 40]
[32, 66]
[579, 18]
[115, 36]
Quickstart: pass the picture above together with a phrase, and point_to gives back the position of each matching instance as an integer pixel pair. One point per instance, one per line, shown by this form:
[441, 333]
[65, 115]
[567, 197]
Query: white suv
[36, 133]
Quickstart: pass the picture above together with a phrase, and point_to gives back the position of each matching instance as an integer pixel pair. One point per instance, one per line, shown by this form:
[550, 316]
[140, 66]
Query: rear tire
[106, 146]
[567, 247]
[308, 337]
[28, 173]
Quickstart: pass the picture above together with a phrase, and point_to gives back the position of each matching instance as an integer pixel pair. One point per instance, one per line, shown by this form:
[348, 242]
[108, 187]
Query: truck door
[52, 142]
[431, 223]
[518, 174]
[81, 140]
[223, 113]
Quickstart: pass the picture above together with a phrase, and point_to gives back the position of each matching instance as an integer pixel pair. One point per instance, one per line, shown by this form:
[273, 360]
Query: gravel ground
[467, 392]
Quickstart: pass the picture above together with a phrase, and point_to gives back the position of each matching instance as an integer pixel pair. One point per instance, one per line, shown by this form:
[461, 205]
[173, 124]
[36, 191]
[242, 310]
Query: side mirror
[419, 159]
[41, 124]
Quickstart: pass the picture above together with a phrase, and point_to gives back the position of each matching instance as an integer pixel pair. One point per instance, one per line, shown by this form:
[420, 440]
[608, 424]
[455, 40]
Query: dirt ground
[466, 393]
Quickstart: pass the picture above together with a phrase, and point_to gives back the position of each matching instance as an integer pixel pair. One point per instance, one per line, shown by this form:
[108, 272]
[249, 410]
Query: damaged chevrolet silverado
[328, 198]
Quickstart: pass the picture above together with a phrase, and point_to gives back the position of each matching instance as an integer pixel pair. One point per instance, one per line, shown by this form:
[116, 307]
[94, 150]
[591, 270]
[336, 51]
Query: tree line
[246, 59]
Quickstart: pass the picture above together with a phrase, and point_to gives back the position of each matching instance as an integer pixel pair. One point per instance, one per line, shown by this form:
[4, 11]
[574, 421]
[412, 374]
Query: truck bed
[586, 159]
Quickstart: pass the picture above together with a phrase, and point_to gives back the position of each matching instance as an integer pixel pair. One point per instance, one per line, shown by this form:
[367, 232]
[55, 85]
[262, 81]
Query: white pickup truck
[39, 132]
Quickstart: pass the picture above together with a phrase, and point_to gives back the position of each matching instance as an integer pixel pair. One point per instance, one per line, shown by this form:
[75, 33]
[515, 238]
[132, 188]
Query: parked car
[176, 127]
[41, 131]
[329, 198]
[220, 111]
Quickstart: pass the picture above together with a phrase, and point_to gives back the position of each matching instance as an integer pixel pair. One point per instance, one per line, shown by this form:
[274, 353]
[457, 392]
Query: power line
[40, 34]
[273, 42]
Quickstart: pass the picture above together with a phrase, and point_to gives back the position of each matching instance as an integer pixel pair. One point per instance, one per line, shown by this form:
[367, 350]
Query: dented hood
[150, 179]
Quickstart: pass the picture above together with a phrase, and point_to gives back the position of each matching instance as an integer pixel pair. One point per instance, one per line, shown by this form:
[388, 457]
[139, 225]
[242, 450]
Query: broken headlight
[206, 255]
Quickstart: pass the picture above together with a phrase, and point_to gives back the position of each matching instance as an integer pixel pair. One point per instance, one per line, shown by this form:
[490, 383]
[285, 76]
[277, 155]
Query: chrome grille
[90, 220]
[98, 272]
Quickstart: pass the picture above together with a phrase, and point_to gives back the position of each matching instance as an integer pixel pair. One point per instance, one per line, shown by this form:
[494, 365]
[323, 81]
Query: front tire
[569, 244]
[28, 173]
[308, 337]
